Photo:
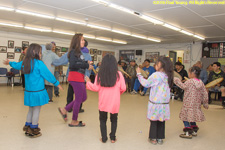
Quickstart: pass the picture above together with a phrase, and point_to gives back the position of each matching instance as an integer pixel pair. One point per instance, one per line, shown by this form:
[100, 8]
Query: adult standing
[22, 56]
[48, 57]
[77, 66]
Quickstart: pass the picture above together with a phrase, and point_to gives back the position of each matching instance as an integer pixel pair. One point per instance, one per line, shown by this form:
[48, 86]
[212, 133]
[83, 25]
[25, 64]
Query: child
[35, 94]
[158, 106]
[110, 84]
[195, 94]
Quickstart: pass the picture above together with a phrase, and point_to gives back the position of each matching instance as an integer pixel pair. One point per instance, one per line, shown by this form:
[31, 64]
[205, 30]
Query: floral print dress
[158, 105]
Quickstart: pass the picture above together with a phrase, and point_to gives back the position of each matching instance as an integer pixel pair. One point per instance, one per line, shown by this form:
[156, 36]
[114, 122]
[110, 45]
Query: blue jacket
[150, 69]
[64, 61]
[203, 76]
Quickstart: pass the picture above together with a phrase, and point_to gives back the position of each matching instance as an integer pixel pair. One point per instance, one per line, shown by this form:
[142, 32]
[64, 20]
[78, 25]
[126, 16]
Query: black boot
[223, 101]
[187, 133]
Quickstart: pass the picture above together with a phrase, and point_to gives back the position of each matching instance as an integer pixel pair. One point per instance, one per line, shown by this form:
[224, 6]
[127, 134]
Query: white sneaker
[133, 92]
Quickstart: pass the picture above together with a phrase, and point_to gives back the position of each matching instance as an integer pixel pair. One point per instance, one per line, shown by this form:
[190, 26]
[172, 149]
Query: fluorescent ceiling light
[155, 40]
[89, 36]
[103, 39]
[138, 36]
[171, 27]
[98, 27]
[121, 32]
[11, 25]
[199, 37]
[120, 42]
[101, 2]
[70, 21]
[155, 21]
[6, 8]
[121, 8]
[186, 32]
[34, 14]
[62, 32]
[37, 29]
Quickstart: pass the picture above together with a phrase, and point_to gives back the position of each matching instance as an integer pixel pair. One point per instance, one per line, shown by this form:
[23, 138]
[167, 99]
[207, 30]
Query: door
[173, 56]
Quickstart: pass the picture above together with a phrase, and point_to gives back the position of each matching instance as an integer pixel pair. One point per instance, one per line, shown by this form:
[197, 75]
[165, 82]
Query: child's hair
[196, 70]
[108, 72]
[32, 53]
[167, 66]
[75, 44]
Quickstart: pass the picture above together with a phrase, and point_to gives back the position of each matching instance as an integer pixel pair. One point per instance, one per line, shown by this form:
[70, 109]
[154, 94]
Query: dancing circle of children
[35, 94]
[195, 94]
[110, 84]
[158, 106]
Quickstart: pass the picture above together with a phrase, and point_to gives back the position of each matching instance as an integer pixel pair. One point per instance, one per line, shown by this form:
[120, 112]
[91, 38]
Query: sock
[33, 126]
[28, 123]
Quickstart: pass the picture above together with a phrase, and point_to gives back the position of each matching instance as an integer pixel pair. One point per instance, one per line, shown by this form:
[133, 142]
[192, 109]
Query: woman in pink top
[110, 84]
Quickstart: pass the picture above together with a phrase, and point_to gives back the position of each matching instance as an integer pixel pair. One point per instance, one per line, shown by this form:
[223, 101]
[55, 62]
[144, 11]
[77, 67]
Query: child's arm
[205, 97]
[122, 84]
[180, 84]
[151, 81]
[16, 65]
[46, 74]
[90, 86]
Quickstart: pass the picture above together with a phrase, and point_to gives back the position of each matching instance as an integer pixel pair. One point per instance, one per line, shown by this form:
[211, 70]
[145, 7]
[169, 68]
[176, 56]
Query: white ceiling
[207, 21]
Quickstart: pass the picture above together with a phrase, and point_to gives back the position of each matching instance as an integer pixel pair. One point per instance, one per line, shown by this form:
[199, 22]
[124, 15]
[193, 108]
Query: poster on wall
[152, 56]
[180, 59]
[107, 52]
[17, 49]
[3, 49]
[99, 52]
[186, 57]
[91, 51]
[25, 43]
[10, 55]
[10, 44]
[64, 49]
[57, 48]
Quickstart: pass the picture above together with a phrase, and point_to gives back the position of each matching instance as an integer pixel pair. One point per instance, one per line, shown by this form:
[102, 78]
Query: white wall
[194, 51]
[18, 38]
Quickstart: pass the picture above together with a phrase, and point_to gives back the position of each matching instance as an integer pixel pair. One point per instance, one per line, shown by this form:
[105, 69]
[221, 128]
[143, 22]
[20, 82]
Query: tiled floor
[132, 133]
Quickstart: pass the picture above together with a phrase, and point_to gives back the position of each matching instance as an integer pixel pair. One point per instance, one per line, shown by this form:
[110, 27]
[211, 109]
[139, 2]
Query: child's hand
[6, 62]
[138, 70]
[60, 87]
[90, 67]
[87, 79]
[90, 62]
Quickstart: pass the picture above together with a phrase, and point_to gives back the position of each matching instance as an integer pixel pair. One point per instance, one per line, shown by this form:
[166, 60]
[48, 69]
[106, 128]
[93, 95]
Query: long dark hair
[75, 44]
[108, 72]
[32, 53]
[196, 70]
[167, 66]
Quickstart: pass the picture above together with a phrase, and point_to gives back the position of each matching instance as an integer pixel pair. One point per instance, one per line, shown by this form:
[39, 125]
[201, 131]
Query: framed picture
[3, 49]
[152, 56]
[64, 49]
[95, 58]
[99, 52]
[18, 49]
[91, 51]
[25, 43]
[92, 58]
[10, 55]
[10, 44]
[95, 51]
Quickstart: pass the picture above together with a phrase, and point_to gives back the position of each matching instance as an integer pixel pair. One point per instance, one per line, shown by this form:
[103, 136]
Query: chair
[3, 73]
[16, 73]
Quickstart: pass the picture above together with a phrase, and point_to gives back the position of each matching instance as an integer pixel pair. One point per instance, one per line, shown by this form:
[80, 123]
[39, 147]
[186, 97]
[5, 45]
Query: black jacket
[183, 73]
[77, 64]
[214, 76]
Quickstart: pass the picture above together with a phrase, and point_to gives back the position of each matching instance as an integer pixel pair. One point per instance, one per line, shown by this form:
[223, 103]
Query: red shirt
[76, 76]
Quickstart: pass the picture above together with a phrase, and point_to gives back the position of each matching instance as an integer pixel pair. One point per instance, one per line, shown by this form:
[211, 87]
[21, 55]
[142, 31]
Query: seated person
[179, 68]
[203, 74]
[131, 70]
[149, 70]
[215, 74]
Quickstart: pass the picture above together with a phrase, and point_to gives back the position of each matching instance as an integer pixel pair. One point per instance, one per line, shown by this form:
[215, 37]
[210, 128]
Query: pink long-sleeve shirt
[109, 97]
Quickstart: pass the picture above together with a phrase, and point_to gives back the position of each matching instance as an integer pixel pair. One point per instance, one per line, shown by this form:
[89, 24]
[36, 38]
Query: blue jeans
[137, 84]
[56, 89]
[189, 124]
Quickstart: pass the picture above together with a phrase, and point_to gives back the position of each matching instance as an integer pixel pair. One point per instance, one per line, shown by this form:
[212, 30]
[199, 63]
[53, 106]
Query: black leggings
[103, 128]
[157, 130]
